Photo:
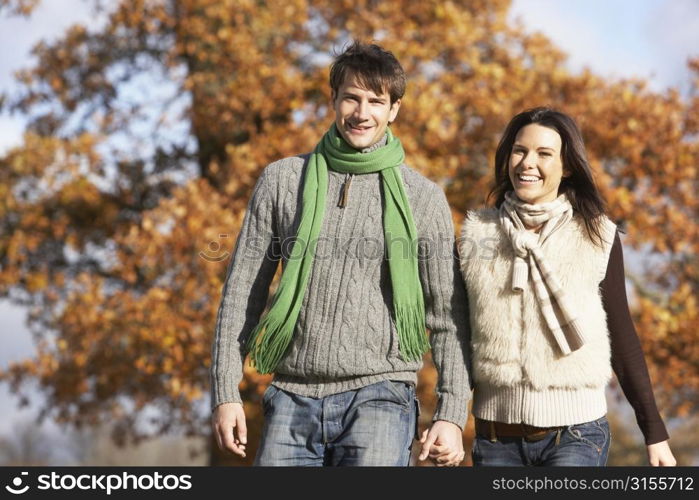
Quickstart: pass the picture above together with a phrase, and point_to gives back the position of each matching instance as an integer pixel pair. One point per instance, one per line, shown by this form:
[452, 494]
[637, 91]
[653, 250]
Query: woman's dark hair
[577, 182]
[374, 67]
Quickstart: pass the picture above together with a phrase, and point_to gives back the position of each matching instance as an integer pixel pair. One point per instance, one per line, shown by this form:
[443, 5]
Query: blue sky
[620, 38]
[617, 38]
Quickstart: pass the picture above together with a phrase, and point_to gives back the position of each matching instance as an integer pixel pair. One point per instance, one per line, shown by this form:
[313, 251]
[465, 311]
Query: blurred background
[132, 133]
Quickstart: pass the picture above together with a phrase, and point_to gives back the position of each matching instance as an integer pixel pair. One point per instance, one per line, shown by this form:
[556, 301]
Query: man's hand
[228, 423]
[443, 444]
[659, 454]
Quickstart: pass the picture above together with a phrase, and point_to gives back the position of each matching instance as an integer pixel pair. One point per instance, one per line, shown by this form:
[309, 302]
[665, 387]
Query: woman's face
[535, 165]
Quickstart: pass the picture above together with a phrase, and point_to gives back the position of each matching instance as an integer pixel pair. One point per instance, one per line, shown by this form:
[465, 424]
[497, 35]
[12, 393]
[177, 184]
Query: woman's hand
[659, 454]
[443, 444]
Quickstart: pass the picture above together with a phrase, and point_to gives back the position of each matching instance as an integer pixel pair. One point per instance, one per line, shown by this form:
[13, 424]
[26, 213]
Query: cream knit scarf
[515, 216]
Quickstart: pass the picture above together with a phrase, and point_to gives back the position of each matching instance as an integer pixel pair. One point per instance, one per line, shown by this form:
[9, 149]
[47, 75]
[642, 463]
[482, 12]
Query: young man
[345, 332]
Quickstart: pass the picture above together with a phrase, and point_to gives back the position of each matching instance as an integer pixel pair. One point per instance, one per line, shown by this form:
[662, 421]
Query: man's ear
[394, 111]
[333, 95]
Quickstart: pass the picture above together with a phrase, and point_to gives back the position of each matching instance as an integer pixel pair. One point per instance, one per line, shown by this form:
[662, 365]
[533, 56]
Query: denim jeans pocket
[594, 434]
[270, 393]
[403, 391]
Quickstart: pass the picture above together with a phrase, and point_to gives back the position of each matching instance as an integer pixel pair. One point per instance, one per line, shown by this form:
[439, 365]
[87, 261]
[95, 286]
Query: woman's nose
[529, 160]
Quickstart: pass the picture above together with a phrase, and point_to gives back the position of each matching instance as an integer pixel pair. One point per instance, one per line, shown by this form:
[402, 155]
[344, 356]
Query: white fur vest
[510, 340]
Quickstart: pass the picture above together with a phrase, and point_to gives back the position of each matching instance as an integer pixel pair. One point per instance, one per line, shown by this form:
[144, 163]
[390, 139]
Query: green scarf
[270, 338]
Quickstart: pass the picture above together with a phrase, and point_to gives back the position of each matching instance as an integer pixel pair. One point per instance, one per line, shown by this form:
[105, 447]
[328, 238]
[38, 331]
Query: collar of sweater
[378, 144]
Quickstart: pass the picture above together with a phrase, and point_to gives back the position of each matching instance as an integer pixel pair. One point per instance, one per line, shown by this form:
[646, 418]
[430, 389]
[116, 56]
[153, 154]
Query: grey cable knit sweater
[345, 337]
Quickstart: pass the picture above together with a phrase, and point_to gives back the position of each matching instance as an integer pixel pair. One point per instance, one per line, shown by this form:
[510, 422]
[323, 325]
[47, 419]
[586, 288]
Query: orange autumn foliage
[147, 132]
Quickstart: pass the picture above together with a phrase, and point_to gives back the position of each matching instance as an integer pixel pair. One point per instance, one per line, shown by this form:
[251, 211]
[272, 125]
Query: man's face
[361, 116]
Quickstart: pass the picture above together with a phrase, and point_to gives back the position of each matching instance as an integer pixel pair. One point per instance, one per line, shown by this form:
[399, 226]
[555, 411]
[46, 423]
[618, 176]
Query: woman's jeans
[584, 444]
[373, 425]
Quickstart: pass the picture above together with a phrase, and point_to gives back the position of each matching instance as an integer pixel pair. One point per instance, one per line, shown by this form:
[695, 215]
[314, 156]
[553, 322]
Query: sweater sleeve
[245, 292]
[627, 356]
[446, 313]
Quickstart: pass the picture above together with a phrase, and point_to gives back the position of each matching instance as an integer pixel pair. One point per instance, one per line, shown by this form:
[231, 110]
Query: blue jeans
[578, 445]
[373, 425]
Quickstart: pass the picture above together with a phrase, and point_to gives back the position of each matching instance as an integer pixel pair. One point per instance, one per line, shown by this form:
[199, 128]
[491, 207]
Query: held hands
[659, 454]
[443, 444]
[228, 423]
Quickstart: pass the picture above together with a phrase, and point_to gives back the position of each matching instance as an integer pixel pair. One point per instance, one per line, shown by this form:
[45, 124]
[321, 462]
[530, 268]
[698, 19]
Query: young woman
[549, 316]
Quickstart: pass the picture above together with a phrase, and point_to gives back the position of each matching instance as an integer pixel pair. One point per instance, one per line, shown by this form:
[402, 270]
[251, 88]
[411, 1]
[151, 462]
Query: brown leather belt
[493, 430]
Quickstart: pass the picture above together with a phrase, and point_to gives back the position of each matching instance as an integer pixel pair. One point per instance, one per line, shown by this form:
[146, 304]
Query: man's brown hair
[375, 68]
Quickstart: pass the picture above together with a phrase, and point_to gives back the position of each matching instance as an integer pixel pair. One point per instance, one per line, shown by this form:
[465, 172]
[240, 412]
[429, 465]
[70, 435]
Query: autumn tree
[147, 131]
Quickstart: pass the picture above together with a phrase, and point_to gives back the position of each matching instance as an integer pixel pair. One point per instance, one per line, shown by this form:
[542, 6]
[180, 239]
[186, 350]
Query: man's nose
[362, 110]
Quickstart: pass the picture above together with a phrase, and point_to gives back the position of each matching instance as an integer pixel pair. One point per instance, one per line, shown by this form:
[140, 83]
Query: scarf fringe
[268, 342]
[412, 337]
